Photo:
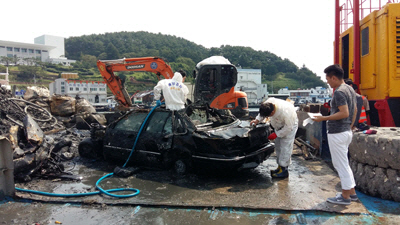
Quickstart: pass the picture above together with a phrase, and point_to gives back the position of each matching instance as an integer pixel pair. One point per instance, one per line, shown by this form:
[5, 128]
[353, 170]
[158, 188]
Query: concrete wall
[55, 41]
[3, 51]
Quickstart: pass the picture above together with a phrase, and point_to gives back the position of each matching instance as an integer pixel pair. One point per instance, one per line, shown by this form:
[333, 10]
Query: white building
[46, 48]
[249, 81]
[93, 91]
[5, 82]
[313, 95]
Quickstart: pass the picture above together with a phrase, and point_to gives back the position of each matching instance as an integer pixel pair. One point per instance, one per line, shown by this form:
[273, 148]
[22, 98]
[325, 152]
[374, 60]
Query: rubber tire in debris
[86, 149]
[181, 166]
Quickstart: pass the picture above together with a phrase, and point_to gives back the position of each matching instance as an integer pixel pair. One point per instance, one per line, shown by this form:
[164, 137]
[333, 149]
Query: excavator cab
[215, 85]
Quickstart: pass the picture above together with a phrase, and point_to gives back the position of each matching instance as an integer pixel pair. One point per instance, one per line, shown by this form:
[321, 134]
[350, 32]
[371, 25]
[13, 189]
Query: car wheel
[182, 166]
[86, 149]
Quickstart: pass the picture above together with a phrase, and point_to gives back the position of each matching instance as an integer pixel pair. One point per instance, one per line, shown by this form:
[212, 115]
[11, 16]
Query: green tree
[30, 72]
[103, 56]
[88, 61]
[15, 60]
[112, 52]
[185, 64]
[6, 60]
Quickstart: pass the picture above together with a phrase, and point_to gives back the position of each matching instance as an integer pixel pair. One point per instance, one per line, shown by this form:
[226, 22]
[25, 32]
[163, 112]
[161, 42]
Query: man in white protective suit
[283, 118]
[174, 91]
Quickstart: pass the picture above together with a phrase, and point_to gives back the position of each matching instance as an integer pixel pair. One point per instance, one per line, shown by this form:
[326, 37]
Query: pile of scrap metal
[308, 151]
[43, 131]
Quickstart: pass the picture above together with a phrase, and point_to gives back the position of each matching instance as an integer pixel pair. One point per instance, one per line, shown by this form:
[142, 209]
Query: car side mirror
[194, 74]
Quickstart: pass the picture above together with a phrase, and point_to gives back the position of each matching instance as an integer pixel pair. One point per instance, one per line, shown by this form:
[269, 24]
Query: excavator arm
[146, 64]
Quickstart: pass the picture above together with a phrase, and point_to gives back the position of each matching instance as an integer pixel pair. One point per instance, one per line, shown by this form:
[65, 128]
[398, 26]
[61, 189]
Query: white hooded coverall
[285, 123]
[174, 92]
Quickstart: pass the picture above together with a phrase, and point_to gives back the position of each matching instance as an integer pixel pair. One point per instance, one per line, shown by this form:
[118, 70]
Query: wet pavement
[30, 213]
[249, 197]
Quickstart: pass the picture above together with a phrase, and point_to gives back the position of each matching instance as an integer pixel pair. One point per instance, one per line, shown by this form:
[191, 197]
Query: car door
[156, 137]
[120, 136]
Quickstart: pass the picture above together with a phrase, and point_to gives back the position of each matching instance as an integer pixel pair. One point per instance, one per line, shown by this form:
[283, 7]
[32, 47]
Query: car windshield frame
[130, 122]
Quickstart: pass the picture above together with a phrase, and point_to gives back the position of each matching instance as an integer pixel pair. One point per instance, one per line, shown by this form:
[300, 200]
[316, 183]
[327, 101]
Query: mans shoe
[352, 197]
[276, 170]
[282, 173]
[339, 200]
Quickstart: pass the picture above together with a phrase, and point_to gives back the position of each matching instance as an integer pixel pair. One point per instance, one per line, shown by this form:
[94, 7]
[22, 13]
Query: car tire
[182, 166]
[86, 149]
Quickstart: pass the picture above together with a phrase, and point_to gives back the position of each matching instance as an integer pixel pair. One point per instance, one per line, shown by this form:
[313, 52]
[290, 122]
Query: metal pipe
[305, 143]
[337, 32]
[356, 25]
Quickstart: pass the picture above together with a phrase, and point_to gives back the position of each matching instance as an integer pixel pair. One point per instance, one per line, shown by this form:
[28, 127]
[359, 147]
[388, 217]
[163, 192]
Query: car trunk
[235, 139]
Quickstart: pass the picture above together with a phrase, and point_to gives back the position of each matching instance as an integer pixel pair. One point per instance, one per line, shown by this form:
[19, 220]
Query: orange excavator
[215, 83]
[145, 64]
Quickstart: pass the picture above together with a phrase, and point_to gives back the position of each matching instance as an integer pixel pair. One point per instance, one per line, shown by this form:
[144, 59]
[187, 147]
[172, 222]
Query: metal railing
[366, 7]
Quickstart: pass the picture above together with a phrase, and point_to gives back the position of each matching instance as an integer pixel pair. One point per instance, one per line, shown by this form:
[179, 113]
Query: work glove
[272, 136]
[158, 103]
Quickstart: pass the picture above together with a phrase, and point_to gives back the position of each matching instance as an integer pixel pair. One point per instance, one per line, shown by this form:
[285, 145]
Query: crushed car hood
[242, 129]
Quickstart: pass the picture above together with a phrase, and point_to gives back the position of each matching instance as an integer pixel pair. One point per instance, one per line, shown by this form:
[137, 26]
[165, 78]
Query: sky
[301, 31]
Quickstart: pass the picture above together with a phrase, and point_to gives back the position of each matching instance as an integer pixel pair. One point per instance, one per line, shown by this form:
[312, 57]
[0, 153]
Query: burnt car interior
[205, 116]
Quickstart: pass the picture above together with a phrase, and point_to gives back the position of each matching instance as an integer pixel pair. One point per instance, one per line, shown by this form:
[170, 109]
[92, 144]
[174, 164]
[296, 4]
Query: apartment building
[93, 91]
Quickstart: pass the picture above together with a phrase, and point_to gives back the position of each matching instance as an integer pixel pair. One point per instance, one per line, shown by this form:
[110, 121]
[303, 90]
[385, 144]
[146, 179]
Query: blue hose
[101, 190]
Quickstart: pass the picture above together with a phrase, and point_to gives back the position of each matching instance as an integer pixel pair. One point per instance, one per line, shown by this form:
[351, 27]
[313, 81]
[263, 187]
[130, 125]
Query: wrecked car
[194, 137]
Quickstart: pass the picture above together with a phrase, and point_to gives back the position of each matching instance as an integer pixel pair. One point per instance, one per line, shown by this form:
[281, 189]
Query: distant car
[195, 137]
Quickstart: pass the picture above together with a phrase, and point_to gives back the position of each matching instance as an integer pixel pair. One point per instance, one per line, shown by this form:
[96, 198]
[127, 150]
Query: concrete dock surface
[247, 197]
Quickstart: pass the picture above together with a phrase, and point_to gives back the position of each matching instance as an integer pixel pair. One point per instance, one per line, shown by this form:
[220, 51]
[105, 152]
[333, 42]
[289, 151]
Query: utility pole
[272, 87]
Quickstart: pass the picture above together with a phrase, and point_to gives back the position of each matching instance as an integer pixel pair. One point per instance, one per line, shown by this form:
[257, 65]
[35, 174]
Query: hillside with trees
[178, 52]
[183, 54]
